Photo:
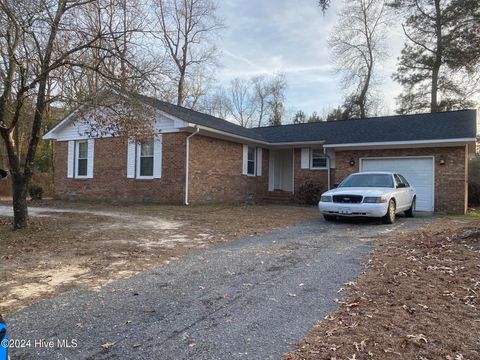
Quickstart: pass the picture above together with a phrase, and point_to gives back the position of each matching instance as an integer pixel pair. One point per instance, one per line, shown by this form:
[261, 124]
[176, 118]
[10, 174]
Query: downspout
[187, 160]
[328, 168]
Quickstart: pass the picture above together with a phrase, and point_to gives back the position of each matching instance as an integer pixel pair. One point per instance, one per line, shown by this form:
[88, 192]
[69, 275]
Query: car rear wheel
[389, 217]
[329, 217]
[411, 212]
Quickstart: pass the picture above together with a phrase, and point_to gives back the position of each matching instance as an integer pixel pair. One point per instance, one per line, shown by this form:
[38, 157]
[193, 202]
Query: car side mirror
[401, 185]
[335, 185]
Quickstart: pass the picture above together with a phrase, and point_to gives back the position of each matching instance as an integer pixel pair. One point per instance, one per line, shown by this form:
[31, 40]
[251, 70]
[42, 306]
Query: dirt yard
[85, 244]
[419, 298]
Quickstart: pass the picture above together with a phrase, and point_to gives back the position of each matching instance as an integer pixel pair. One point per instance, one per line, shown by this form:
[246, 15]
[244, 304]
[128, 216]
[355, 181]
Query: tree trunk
[362, 99]
[181, 85]
[438, 58]
[20, 209]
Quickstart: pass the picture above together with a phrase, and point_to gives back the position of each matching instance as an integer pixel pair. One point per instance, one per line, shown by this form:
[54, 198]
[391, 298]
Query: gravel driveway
[246, 299]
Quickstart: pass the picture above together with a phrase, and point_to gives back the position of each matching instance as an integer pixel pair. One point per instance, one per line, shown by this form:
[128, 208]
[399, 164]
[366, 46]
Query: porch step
[276, 197]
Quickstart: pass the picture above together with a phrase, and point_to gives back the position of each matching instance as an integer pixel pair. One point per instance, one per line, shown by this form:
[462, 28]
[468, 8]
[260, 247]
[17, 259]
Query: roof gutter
[187, 160]
[260, 142]
[396, 143]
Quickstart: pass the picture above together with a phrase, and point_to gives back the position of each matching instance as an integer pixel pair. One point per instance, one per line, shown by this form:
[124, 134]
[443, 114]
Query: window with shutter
[318, 159]
[251, 160]
[145, 160]
[81, 161]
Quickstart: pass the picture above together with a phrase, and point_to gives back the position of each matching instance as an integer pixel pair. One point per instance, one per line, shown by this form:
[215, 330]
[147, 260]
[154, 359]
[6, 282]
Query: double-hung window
[318, 160]
[81, 159]
[251, 160]
[144, 159]
[145, 153]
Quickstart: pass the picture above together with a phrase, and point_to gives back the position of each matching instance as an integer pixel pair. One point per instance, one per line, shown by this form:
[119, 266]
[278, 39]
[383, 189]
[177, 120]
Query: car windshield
[368, 180]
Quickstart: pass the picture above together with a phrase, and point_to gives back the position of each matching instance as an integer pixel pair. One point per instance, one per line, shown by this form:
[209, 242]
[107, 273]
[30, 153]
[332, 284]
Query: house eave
[247, 140]
[402, 144]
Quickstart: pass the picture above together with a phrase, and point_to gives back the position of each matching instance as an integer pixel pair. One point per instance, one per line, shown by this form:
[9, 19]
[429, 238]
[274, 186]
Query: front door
[281, 170]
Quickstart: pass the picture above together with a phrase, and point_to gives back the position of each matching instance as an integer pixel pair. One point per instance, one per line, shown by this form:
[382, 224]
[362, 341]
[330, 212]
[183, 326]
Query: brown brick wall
[216, 172]
[110, 173]
[450, 179]
[302, 176]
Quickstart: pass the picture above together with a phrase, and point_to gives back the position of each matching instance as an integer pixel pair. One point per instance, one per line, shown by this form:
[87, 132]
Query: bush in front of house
[309, 193]
[36, 192]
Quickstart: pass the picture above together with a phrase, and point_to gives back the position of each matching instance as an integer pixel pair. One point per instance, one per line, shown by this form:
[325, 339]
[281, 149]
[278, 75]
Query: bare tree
[257, 101]
[217, 103]
[262, 93]
[242, 105]
[269, 96]
[358, 45]
[134, 67]
[187, 28]
[37, 41]
[277, 86]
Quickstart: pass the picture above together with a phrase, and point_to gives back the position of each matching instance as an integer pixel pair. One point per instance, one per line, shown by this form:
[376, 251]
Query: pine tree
[439, 64]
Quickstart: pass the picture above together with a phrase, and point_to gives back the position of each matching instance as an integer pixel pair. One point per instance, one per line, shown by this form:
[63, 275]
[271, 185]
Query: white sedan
[370, 194]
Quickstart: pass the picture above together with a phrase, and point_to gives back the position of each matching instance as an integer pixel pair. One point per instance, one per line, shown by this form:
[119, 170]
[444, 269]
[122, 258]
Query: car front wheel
[389, 217]
[411, 212]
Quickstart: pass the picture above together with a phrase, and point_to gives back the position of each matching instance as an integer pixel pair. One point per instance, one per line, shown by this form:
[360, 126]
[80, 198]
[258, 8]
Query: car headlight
[374, 199]
[325, 198]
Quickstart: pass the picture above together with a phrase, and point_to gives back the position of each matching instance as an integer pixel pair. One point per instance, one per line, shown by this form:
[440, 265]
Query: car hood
[364, 191]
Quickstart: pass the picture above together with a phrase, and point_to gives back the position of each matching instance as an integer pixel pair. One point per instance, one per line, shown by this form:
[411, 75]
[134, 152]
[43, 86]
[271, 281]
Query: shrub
[309, 193]
[36, 192]
[474, 193]
[474, 181]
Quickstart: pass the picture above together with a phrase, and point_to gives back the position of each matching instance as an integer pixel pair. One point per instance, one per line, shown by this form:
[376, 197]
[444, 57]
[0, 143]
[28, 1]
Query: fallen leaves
[418, 298]
[360, 346]
[108, 345]
[417, 339]
[408, 309]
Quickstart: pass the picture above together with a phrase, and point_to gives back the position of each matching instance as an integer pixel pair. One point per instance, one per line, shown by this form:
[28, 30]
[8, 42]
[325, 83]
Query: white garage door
[418, 172]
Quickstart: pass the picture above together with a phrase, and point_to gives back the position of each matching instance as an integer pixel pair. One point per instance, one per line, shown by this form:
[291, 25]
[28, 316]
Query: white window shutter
[305, 160]
[91, 148]
[245, 160]
[157, 157]
[71, 158]
[131, 159]
[259, 162]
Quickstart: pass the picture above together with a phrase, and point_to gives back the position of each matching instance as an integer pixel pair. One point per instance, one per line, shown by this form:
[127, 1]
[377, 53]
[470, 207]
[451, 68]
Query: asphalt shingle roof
[199, 118]
[431, 126]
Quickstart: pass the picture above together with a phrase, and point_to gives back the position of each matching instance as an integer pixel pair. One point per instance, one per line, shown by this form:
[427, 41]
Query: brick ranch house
[198, 158]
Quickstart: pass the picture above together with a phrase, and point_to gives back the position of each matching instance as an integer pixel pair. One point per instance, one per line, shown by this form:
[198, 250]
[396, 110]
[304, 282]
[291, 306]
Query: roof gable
[73, 127]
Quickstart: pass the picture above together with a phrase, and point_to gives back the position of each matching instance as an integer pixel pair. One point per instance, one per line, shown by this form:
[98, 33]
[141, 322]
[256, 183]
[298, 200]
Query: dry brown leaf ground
[105, 242]
[418, 298]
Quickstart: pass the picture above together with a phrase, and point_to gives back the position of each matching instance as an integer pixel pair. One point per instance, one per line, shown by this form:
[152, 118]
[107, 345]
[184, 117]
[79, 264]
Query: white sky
[268, 36]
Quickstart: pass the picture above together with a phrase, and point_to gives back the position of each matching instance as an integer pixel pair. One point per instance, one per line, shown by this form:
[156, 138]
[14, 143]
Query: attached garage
[439, 174]
[419, 172]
